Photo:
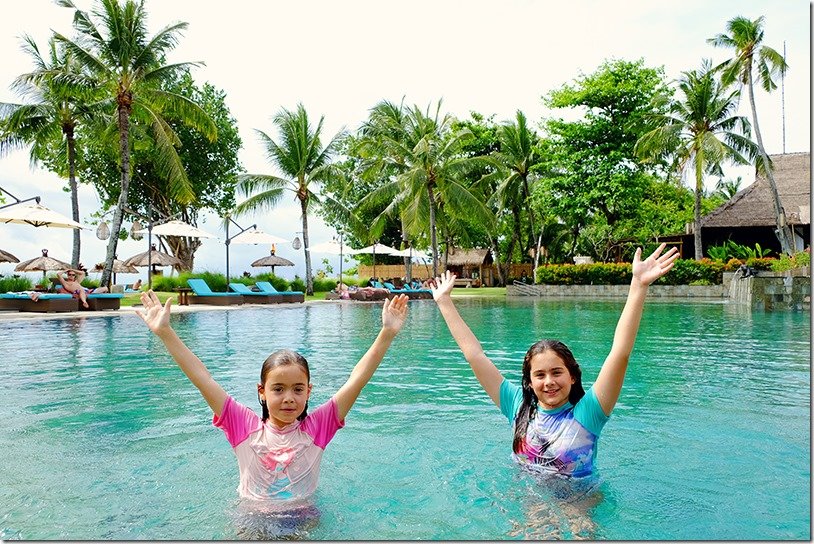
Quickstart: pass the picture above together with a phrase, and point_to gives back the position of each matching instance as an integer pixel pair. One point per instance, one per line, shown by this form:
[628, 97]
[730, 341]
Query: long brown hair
[282, 357]
[528, 408]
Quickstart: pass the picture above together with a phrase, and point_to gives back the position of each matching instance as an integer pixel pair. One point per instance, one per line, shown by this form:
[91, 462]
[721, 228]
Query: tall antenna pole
[783, 97]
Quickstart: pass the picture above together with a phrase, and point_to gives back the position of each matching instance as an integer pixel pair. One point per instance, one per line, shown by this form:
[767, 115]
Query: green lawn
[486, 292]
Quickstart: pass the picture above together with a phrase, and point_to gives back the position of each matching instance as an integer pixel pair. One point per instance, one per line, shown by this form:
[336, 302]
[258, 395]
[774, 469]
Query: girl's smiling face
[550, 380]
[286, 393]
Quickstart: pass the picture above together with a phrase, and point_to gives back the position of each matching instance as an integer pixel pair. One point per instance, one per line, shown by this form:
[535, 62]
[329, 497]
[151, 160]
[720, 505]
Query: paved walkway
[7, 315]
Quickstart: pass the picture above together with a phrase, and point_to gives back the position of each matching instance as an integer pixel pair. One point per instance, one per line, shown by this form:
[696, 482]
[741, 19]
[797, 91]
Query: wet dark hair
[528, 408]
[282, 357]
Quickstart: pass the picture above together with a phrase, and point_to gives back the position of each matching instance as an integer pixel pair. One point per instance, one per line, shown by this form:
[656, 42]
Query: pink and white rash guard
[278, 465]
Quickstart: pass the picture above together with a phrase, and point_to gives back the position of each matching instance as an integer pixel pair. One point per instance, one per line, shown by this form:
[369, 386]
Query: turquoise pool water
[104, 438]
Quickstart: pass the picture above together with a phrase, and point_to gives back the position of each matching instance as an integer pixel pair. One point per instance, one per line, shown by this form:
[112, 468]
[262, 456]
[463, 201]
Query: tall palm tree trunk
[783, 230]
[69, 135]
[699, 186]
[433, 233]
[309, 281]
[124, 153]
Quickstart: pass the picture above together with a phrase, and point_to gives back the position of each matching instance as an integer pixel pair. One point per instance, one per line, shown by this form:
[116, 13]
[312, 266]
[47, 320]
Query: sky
[340, 58]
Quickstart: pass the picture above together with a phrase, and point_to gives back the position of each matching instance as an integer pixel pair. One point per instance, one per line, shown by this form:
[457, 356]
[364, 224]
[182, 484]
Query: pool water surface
[105, 438]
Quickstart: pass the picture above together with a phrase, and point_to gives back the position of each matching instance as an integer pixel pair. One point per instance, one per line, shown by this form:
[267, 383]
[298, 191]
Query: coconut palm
[49, 119]
[299, 155]
[513, 162]
[700, 132]
[114, 48]
[754, 61]
[424, 164]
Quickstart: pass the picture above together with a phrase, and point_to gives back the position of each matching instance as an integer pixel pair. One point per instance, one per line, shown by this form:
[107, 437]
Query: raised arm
[608, 384]
[394, 313]
[157, 318]
[485, 371]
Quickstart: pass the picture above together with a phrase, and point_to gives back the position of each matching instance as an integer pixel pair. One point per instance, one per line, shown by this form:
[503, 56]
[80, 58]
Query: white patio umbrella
[170, 228]
[410, 252]
[381, 249]
[177, 228]
[257, 236]
[334, 247]
[251, 235]
[37, 215]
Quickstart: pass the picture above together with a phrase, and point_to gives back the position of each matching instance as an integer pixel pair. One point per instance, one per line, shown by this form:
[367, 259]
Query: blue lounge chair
[393, 289]
[202, 294]
[46, 303]
[255, 296]
[288, 296]
[103, 301]
[413, 293]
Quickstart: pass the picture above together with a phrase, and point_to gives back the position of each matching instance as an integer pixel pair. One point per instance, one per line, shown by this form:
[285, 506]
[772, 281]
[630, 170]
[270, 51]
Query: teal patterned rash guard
[559, 441]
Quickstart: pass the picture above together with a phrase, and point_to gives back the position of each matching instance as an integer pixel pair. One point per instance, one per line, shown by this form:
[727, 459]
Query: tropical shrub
[297, 284]
[730, 250]
[684, 272]
[786, 262]
[15, 283]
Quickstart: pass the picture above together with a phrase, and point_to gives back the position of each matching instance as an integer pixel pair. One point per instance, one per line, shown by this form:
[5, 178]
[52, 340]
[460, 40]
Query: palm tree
[728, 188]
[49, 119]
[424, 163]
[129, 65]
[746, 37]
[513, 164]
[700, 132]
[305, 163]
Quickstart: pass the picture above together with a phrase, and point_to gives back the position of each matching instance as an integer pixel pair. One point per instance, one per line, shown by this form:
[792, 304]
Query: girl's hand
[442, 286]
[654, 267]
[156, 316]
[394, 313]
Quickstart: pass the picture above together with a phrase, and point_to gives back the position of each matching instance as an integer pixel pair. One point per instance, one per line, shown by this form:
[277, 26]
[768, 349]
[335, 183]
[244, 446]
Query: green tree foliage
[426, 188]
[752, 62]
[594, 173]
[211, 167]
[700, 132]
[57, 103]
[299, 155]
[113, 46]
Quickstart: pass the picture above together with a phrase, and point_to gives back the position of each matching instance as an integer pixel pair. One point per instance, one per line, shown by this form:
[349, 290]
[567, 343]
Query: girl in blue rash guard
[556, 423]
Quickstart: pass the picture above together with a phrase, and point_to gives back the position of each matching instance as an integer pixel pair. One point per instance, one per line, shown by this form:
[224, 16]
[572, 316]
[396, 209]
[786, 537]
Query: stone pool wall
[767, 291]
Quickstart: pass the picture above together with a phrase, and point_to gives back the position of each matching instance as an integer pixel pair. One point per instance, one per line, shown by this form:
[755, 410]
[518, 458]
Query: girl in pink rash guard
[279, 453]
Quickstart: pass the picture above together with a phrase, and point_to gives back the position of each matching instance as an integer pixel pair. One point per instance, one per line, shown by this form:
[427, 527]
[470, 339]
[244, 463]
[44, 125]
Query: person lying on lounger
[72, 284]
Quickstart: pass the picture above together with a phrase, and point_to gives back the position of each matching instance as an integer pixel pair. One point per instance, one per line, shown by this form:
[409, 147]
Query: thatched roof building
[753, 207]
[469, 257]
[748, 217]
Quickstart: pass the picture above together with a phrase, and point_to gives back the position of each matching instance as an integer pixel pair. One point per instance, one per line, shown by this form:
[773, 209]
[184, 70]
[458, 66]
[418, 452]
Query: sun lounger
[288, 296]
[416, 293]
[103, 301]
[255, 297]
[46, 303]
[202, 294]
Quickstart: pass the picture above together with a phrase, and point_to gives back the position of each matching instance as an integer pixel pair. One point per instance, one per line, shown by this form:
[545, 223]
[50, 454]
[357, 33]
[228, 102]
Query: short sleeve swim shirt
[278, 464]
[562, 440]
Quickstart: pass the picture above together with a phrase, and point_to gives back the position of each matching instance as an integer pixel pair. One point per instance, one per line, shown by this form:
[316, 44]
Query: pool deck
[13, 315]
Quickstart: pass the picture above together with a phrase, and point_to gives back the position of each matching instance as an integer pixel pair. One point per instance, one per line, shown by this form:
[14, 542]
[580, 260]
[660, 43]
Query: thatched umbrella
[272, 261]
[154, 258]
[119, 267]
[6, 257]
[44, 263]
